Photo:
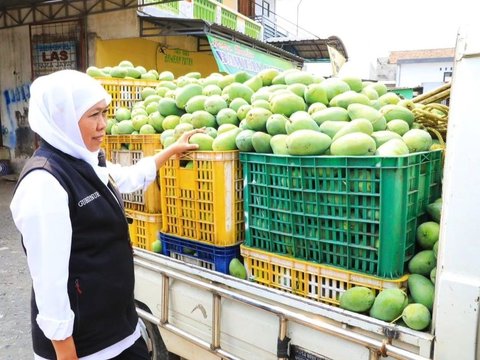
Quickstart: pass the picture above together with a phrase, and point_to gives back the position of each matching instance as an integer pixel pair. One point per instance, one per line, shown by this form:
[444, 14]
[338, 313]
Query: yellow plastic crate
[309, 280]
[125, 92]
[127, 150]
[144, 228]
[203, 201]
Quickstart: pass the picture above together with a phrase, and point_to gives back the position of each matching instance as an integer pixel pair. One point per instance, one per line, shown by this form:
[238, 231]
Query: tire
[151, 335]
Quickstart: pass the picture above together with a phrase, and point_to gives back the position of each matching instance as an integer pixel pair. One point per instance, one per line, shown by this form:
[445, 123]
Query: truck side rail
[380, 339]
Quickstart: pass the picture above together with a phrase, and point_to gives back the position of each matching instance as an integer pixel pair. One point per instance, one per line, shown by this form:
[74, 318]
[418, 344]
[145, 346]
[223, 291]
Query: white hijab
[57, 102]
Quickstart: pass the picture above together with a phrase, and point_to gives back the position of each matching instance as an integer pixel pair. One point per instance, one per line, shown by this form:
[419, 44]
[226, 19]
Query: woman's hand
[182, 144]
[65, 349]
[178, 147]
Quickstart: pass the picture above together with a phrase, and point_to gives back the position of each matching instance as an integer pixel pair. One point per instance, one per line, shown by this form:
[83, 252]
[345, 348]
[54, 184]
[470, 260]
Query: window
[56, 46]
[266, 8]
[447, 76]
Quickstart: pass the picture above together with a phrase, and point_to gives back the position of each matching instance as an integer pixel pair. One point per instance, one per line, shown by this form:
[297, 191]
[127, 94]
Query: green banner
[232, 57]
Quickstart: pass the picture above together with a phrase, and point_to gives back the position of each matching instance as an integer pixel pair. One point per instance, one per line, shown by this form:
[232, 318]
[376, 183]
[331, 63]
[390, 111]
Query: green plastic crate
[357, 213]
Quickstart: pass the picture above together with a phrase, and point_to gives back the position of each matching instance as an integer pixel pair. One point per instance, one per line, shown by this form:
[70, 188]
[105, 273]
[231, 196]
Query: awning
[314, 49]
[232, 50]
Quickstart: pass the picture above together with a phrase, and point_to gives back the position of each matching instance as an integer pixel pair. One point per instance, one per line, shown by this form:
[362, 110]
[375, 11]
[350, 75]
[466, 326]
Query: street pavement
[15, 285]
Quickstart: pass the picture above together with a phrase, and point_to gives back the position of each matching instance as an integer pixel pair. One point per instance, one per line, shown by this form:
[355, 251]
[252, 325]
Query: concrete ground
[15, 285]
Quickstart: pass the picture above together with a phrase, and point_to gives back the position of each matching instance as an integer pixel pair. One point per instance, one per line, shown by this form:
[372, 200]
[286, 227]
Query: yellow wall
[232, 4]
[181, 62]
[153, 55]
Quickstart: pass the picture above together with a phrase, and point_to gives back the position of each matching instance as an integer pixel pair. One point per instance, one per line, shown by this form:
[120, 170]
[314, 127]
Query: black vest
[101, 277]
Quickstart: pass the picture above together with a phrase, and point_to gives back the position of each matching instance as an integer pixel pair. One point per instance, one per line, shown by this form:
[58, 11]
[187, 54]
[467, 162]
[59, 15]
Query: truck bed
[204, 314]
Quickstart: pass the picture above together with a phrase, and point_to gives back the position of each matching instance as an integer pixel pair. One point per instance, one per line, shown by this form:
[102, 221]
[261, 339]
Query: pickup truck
[195, 313]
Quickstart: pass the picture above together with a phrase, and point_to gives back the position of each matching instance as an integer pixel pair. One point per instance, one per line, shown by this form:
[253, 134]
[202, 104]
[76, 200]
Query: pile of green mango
[411, 307]
[291, 112]
[123, 70]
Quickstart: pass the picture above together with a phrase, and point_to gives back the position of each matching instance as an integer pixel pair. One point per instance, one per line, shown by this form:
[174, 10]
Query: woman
[74, 232]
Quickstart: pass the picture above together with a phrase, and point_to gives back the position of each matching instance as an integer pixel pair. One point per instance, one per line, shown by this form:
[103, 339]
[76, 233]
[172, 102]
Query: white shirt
[41, 213]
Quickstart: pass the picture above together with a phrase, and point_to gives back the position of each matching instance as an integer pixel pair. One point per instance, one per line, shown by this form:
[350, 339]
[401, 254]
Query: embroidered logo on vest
[88, 198]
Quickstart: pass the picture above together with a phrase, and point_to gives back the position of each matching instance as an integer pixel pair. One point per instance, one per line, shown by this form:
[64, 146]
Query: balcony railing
[270, 28]
[208, 10]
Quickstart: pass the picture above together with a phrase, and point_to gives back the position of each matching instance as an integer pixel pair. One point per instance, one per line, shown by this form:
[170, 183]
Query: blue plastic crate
[197, 253]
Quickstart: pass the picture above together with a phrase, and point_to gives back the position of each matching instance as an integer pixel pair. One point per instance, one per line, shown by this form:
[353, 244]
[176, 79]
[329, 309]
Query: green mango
[286, 103]
[276, 124]
[389, 304]
[315, 93]
[237, 90]
[435, 210]
[393, 147]
[357, 299]
[421, 289]
[237, 269]
[357, 125]
[349, 97]
[298, 77]
[279, 144]
[195, 103]
[416, 316]
[330, 114]
[422, 262]
[307, 142]
[435, 249]
[382, 136]
[244, 140]
[330, 128]
[183, 94]
[428, 234]
[363, 111]
[354, 82]
[226, 141]
[394, 112]
[261, 142]
[433, 275]
[334, 86]
[353, 144]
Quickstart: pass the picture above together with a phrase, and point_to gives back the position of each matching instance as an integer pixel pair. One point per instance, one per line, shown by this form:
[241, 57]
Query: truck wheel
[151, 335]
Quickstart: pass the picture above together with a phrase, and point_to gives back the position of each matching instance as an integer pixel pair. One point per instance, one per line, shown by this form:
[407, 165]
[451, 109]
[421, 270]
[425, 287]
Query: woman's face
[93, 124]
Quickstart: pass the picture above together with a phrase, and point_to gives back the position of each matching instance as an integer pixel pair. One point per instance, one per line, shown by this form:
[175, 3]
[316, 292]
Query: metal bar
[282, 330]
[216, 322]
[374, 355]
[197, 341]
[385, 348]
[82, 6]
[165, 299]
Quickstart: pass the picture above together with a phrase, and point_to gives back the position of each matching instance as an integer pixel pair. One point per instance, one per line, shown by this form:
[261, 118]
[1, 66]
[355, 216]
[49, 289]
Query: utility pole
[298, 7]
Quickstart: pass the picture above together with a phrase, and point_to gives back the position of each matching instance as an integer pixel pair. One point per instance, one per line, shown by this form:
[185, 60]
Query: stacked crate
[202, 208]
[142, 207]
[316, 223]
[125, 92]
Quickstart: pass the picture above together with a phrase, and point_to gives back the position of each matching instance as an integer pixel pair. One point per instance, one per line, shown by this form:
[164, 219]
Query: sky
[371, 29]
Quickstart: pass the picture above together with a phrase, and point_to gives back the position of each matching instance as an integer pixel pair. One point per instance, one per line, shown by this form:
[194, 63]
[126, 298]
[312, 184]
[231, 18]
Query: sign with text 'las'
[50, 57]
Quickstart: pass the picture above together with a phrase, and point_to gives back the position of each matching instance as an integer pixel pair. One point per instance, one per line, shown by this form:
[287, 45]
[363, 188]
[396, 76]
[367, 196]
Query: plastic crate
[203, 201]
[125, 92]
[358, 213]
[309, 280]
[143, 228]
[127, 150]
[196, 253]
